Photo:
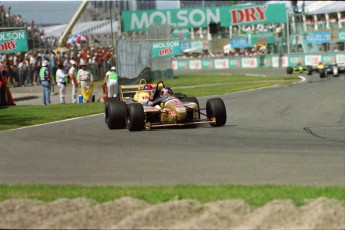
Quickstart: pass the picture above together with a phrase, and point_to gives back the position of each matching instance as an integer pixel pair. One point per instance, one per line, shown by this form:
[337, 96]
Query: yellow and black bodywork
[131, 109]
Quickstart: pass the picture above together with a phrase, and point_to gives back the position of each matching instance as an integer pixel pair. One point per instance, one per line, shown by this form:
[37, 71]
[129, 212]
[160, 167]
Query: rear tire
[135, 117]
[309, 70]
[322, 73]
[115, 113]
[215, 108]
[289, 70]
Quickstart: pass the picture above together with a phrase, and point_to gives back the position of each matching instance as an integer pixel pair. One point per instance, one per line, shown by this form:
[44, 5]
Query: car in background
[309, 70]
[132, 110]
[336, 69]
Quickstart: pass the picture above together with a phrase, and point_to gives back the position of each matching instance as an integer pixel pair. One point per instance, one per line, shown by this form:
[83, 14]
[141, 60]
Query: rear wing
[128, 91]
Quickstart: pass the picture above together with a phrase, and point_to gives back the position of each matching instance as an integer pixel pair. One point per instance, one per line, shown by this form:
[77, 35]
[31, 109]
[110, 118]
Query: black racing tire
[106, 101]
[115, 113]
[192, 99]
[289, 70]
[135, 117]
[215, 108]
[322, 73]
[309, 70]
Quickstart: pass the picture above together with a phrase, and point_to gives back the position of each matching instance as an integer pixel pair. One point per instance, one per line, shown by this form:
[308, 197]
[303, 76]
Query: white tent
[87, 28]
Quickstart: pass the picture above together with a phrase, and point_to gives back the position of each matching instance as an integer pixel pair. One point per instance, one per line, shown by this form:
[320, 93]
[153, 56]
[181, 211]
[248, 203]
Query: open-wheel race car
[320, 68]
[145, 106]
[308, 69]
[335, 69]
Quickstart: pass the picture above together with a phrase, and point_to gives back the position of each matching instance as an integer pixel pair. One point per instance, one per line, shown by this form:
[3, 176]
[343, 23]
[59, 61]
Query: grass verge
[256, 196]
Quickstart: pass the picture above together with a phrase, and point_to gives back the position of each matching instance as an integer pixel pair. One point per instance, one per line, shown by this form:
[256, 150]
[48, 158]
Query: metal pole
[112, 32]
[111, 23]
[287, 31]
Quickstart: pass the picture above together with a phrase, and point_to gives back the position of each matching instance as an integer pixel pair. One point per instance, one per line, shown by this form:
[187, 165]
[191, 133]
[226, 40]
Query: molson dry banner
[166, 49]
[201, 17]
[13, 41]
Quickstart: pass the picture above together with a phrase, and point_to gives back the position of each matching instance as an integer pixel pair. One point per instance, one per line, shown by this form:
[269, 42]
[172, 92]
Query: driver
[165, 94]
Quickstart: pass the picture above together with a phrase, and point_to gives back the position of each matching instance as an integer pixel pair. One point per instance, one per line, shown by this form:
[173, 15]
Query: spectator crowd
[22, 69]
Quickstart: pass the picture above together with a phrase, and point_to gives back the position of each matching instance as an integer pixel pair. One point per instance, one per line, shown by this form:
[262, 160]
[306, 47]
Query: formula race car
[145, 106]
[335, 69]
[309, 70]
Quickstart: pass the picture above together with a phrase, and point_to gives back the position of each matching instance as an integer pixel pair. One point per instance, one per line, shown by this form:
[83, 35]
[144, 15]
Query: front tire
[135, 117]
[215, 109]
[322, 73]
[115, 113]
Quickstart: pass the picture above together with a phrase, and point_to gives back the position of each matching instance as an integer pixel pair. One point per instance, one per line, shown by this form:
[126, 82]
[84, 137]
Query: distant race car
[309, 70]
[336, 68]
[135, 110]
[321, 69]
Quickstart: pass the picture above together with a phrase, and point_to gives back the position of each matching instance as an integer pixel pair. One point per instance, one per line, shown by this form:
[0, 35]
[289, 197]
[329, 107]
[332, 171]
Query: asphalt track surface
[278, 135]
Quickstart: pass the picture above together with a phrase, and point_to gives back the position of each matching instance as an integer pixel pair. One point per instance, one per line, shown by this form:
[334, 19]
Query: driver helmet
[166, 91]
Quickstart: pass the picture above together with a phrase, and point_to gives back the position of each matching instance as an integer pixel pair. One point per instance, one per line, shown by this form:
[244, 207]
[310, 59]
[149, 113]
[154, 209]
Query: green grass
[206, 85]
[20, 116]
[256, 196]
[192, 80]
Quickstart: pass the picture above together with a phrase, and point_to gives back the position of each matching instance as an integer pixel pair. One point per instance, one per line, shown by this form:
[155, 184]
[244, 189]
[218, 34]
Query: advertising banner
[341, 35]
[185, 45]
[340, 58]
[312, 59]
[239, 43]
[13, 41]
[249, 62]
[235, 62]
[207, 64]
[275, 62]
[328, 59]
[221, 63]
[187, 18]
[183, 65]
[294, 60]
[195, 64]
[262, 38]
[166, 49]
[181, 33]
[318, 37]
[267, 62]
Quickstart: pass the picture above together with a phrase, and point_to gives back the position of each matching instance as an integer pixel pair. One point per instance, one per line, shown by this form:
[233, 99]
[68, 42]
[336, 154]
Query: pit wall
[257, 61]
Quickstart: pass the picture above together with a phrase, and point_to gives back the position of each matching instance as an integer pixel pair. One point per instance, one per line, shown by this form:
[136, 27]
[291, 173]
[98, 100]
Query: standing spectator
[45, 82]
[37, 70]
[28, 79]
[66, 63]
[12, 78]
[73, 73]
[33, 63]
[85, 80]
[22, 71]
[111, 78]
[61, 81]
[3, 85]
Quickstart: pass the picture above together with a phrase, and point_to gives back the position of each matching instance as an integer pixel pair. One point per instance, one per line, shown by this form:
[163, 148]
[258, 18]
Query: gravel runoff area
[130, 213]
